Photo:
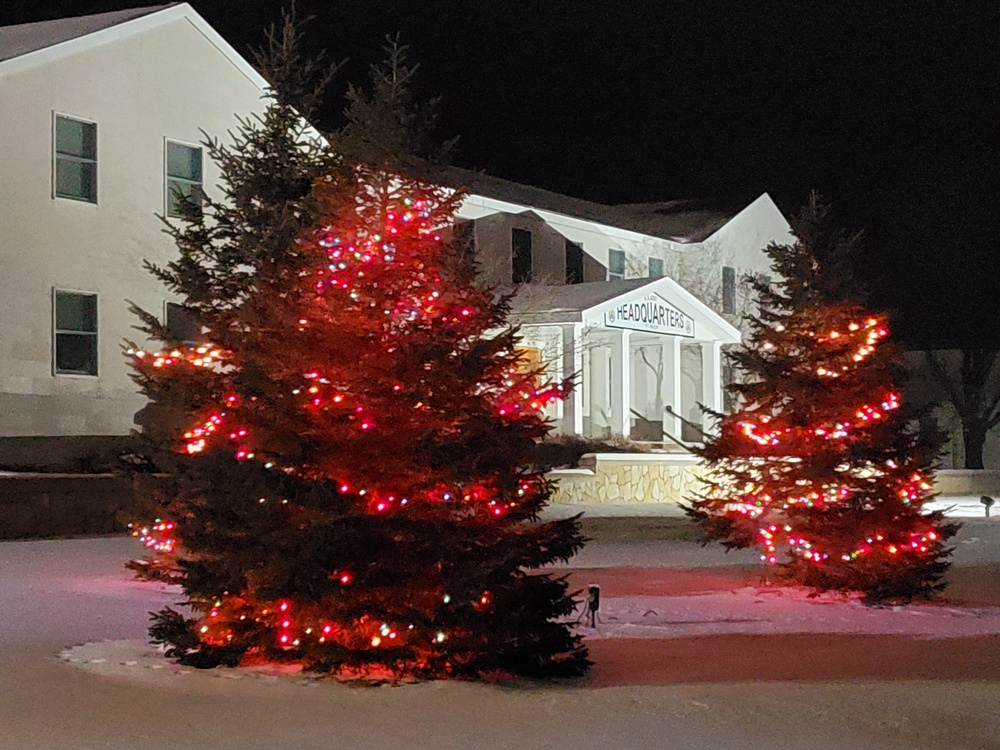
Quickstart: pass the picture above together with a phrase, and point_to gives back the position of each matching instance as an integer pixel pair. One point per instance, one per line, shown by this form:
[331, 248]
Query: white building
[95, 115]
[101, 117]
[679, 268]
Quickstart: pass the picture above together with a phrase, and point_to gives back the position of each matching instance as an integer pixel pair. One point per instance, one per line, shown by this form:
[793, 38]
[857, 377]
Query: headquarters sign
[651, 314]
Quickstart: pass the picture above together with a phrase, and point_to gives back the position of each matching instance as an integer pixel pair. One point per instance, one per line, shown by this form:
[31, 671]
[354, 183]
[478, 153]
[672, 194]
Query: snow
[760, 611]
[961, 506]
[691, 652]
[955, 506]
[744, 611]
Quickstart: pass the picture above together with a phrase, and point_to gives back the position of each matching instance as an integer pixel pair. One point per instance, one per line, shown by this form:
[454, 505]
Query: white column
[571, 422]
[670, 348]
[621, 384]
[711, 380]
[600, 409]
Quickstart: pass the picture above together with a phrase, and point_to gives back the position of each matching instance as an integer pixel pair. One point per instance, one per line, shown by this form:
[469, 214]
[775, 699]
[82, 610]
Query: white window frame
[649, 267]
[166, 173]
[55, 159]
[614, 276]
[96, 334]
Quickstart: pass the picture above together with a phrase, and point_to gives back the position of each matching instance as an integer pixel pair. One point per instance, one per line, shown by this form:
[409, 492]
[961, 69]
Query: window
[765, 280]
[616, 264]
[574, 263]
[183, 165]
[656, 268]
[728, 290]
[75, 325]
[520, 245]
[75, 157]
[181, 324]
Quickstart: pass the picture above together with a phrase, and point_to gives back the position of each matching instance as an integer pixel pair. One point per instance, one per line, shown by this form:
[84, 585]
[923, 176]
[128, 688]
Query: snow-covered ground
[962, 506]
[955, 506]
[691, 652]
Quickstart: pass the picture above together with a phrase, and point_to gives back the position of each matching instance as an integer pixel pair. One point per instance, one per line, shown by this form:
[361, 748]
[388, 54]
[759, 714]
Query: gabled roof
[537, 304]
[678, 221]
[551, 298]
[32, 44]
[31, 37]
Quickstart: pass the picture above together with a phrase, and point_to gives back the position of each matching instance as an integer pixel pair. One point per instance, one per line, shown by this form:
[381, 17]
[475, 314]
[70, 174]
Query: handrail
[688, 422]
[664, 433]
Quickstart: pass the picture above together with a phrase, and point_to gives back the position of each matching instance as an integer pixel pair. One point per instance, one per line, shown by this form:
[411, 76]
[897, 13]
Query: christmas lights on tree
[347, 490]
[819, 465]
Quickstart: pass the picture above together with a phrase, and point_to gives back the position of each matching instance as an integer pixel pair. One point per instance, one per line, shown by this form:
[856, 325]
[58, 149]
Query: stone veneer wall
[967, 482]
[629, 478]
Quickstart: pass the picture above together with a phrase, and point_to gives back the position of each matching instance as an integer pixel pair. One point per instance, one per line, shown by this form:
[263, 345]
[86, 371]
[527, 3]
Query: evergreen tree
[348, 493]
[819, 465]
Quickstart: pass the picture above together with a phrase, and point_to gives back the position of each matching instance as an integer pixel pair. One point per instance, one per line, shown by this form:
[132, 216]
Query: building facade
[102, 119]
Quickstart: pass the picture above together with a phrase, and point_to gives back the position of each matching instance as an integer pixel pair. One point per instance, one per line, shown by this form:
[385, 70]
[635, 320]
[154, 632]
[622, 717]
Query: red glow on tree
[349, 482]
[818, 465]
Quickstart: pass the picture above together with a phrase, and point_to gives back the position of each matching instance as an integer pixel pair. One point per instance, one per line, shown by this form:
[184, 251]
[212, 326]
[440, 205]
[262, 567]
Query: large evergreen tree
[348, 493]
[819, 465]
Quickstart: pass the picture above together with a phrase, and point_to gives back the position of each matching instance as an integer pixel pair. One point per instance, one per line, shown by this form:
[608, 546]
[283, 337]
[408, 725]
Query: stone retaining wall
[672, 478]
[967, 482]
[47, 505]
[629, 478]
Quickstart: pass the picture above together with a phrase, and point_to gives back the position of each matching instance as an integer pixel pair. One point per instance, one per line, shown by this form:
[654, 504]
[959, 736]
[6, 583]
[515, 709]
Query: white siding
[170, 81]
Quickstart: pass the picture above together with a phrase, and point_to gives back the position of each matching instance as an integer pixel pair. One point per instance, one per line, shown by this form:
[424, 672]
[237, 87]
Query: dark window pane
[655, 268]
[520, 240]
[616, 263]
[183, 161]
[76, 179]
[76, 138]
[728, 290]
[179, 191]
[574, 263]
[76, 353]
[76, 312]
[181, 324]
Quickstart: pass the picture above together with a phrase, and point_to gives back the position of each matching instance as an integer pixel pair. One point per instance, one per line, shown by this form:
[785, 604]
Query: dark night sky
[890, 109]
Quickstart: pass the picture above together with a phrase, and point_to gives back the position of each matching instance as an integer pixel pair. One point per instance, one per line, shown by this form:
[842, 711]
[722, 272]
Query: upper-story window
[74, 323]
[181, 324]
[183, 176]
[520, 250]
[616, 264]
[656, 268]
[728, 290]
[74, 159]
[574, 263]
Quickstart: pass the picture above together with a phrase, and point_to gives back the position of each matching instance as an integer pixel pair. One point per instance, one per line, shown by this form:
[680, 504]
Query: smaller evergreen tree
[819, 465]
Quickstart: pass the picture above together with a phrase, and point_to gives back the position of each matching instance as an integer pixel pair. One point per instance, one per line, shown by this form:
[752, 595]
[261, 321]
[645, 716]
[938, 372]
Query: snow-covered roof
[679, 221]
[32, 44]
[683, 220]
[31, 37]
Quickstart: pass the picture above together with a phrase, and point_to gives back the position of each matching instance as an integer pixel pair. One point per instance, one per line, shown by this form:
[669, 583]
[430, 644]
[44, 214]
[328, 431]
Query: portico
[635, 348]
